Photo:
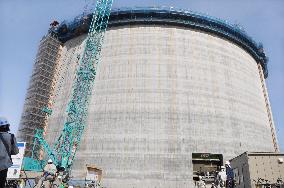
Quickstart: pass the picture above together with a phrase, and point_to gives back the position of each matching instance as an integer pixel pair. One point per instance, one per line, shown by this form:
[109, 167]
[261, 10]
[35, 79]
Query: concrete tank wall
[162, 93]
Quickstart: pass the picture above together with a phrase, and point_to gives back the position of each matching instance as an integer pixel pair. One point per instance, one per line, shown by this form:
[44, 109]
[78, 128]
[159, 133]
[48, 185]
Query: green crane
[64, 150]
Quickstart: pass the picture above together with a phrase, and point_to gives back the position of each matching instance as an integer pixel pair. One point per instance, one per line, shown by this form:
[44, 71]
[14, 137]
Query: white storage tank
[170, 83]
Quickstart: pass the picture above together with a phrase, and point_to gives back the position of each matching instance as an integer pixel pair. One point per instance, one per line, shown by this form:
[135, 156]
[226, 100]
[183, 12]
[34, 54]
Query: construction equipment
[64, 150]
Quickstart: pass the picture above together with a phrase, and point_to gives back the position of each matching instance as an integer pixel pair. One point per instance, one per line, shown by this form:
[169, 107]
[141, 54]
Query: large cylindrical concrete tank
[169, 84]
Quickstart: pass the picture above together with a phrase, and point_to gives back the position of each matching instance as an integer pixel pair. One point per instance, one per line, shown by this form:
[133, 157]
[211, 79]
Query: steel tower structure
[64, 150]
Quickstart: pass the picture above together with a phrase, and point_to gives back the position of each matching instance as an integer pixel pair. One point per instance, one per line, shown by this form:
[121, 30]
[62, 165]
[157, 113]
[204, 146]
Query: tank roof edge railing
[171, 16]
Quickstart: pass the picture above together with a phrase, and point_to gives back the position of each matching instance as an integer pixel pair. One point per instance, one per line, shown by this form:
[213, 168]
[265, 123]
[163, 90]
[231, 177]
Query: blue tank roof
[168, 16]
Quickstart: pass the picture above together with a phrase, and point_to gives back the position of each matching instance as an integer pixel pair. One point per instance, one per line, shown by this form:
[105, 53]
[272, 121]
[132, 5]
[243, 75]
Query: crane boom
[64, 150]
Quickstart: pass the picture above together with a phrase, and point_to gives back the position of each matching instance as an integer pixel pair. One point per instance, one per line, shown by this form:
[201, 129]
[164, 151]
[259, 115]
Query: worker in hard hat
[213, 185]
[230, 175]
[49, 173]
[8, 147]
[200, 183]
[222, 177]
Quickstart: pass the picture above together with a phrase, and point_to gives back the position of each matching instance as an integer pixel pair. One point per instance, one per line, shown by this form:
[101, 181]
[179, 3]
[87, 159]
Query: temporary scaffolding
[41, 86]
[64, 150]
[268, 108]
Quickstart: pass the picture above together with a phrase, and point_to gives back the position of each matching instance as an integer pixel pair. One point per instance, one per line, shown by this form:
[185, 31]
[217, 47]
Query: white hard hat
[222, 167]
[49, 161]
[227, 163]
[3, 121]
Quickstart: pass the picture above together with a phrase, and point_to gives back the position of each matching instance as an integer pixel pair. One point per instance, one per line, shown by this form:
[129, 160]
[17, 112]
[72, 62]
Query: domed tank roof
[171, 17]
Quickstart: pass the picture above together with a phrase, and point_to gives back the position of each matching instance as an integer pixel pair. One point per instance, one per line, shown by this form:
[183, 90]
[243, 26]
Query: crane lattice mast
[64, 150]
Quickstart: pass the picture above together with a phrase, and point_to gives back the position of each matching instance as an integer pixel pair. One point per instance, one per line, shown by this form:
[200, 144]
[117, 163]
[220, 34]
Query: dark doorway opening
[206, 165]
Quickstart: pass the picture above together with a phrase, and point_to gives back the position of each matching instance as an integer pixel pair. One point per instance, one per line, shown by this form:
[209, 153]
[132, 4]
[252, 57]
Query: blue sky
[24, 22]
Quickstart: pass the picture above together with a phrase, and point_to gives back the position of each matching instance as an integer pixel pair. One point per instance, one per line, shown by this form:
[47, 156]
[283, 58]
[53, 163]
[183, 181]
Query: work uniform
[48, 175]
[201, 184]
[230, 176]
[221, 178]
[8, 147]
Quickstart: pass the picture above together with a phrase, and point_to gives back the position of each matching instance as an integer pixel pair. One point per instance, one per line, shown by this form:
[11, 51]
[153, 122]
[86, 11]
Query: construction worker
[8, 147]
[54, 23]
[49, 173]
[222, 177]
[201, 183]
[230, 175]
